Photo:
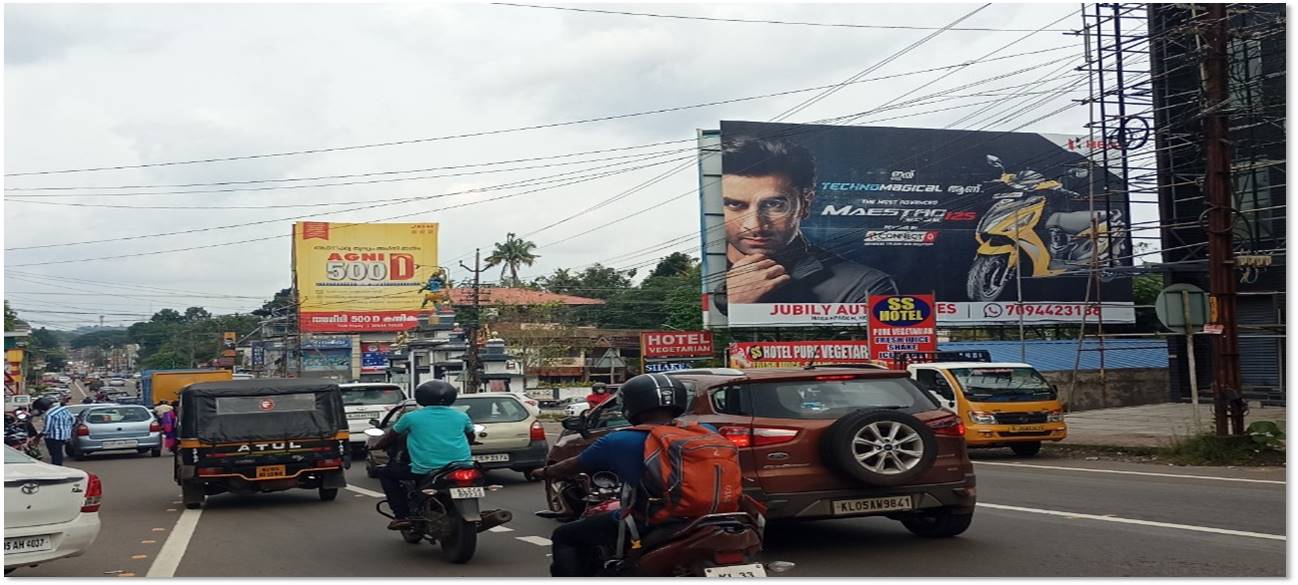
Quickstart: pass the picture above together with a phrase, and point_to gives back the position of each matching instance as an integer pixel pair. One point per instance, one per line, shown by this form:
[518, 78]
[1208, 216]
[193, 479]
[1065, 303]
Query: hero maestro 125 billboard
[362, 276]
[807, 222]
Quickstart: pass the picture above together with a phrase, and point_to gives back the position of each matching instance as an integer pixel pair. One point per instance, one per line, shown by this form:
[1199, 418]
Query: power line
[478, 133]
[758, 21]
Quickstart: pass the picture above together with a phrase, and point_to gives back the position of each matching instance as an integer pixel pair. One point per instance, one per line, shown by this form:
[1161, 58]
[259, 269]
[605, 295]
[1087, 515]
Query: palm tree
[510, 254]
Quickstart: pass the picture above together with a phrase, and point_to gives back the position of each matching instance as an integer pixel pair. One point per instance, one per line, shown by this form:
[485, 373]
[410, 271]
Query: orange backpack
[689, 472]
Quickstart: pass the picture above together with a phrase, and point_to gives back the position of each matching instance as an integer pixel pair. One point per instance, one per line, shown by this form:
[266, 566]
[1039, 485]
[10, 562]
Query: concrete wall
[1126, 387]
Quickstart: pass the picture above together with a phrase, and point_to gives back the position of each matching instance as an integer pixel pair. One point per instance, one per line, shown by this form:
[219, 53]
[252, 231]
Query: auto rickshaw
[261, 435]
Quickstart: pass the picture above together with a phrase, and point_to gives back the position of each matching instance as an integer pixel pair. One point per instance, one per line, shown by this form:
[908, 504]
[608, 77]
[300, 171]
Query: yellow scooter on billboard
[1011, 224]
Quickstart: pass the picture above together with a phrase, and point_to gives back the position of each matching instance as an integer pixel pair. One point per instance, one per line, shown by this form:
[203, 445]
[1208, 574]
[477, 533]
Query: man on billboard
[767, 188]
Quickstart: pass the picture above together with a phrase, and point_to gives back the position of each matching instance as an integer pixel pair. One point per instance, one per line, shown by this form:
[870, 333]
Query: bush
[1210, 449]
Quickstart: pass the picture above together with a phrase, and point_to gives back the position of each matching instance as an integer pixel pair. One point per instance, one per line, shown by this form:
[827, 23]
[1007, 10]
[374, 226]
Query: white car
[364, 402]
[51, 512]
[578, 407]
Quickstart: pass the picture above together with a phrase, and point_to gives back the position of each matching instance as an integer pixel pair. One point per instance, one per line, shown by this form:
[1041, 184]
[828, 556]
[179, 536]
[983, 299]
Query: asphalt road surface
[1037, 518]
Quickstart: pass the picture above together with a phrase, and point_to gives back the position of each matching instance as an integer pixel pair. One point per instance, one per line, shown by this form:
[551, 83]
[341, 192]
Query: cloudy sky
[106, 85]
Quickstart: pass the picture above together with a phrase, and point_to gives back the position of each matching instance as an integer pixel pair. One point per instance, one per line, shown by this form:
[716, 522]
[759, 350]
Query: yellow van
[1002, 404]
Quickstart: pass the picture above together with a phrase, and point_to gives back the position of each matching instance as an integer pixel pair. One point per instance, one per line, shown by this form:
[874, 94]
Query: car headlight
[1055, 416]
[982, 418]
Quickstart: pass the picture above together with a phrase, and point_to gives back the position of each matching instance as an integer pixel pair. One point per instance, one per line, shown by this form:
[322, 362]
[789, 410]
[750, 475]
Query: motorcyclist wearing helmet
[436, 435]
[647, 399]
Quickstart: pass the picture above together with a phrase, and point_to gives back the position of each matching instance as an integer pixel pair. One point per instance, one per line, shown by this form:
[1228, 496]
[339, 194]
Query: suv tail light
[836, 377]
[83, 431]
[155, 428]
[94, 494]
[744, 437]
[538, 431]
[950, 426]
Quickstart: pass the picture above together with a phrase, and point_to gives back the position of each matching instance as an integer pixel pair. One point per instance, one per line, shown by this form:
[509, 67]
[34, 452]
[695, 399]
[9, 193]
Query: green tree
[511, 254]
[11, 317]
[276, 305]
[196, 314]
[677, 264]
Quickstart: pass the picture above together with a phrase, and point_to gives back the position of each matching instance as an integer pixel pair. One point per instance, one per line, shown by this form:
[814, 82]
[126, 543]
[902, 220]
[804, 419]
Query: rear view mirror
[374, 422]
[373, 433]
[574, 423]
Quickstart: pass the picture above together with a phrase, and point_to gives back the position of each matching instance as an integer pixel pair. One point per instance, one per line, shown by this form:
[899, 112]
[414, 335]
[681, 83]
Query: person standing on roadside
[598, 395]
[57, 431]
[167, 418]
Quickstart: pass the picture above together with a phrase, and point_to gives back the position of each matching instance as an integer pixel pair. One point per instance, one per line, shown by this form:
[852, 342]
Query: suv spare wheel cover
[880, 447]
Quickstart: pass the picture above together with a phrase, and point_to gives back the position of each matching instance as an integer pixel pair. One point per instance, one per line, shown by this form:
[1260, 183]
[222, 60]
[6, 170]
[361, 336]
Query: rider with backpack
[649, 457]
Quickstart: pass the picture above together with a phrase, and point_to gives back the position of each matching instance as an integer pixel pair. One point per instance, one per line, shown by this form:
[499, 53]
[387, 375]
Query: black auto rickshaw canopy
[266, 409]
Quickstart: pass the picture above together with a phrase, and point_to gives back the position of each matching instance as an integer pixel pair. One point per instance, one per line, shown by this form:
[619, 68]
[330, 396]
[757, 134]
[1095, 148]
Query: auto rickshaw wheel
[328, 494]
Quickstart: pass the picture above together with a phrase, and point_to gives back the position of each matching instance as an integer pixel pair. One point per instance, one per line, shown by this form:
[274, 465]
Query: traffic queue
[669, 474]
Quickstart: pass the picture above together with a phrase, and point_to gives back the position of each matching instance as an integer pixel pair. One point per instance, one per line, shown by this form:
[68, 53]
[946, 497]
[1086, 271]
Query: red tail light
[330, 463]
[950, 426]
[744, 437]
[464, 476]
[210, 471]
[155, 428]
[538, 431]
[741, 436]
[837, 377]
[94, 494]
[728, 557]
[83, 431]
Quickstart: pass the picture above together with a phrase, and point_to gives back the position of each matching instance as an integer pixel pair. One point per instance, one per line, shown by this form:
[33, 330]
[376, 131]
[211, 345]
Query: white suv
[365, 401]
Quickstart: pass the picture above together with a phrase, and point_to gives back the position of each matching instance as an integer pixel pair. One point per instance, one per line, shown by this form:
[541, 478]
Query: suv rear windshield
[1003, 384]
[492, 410]
[830, 399]
[117, 415]
[371, 395]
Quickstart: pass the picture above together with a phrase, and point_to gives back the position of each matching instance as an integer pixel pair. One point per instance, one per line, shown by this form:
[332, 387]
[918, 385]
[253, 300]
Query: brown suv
[824, 442]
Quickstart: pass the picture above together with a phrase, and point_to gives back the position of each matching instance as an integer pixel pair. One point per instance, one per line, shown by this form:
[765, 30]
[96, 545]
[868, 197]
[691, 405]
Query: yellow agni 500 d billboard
[354, 277]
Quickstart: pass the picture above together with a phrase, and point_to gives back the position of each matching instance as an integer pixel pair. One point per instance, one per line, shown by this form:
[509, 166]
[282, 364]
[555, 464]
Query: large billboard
[803, 223]
[355, 277]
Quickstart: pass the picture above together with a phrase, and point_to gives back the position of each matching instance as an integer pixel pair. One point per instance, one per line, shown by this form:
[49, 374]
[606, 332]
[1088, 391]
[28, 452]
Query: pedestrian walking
[57, 432]
[168, 421]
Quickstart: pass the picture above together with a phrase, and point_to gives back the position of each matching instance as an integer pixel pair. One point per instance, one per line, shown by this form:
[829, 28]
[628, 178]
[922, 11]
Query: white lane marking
[363, 491]
[500, 529]
[1119, 520]
[168, 559]
[1120, 472]
[537, 540]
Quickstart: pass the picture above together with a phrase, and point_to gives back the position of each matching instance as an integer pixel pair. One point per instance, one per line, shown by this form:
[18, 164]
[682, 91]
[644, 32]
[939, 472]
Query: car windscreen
[492, 410]
[372, 395]
[113, 415]
[830, 399]
[1003, 384]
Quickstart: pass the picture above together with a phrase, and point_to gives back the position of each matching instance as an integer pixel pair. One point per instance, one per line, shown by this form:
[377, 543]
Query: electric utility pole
[1228, 405]
[471, 363]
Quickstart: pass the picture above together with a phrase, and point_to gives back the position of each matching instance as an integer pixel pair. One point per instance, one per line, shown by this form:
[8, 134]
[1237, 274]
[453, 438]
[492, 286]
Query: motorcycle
[1007, 235]
[17, 435]
[445, 510]
[715, 545]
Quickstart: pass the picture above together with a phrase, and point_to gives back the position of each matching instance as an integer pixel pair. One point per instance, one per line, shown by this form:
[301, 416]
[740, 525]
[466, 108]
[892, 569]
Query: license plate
[271, 471]
[361, 415]
[1027, 428]
[869, 505]
[468, 492]
[120, 444]
[491, 458]
[753, 570]
[25, 544]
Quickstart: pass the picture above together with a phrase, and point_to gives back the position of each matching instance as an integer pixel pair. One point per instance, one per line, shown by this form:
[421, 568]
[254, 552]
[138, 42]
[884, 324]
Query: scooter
[1007, 235]
[17, 435]
[715, 545]
[445, 510]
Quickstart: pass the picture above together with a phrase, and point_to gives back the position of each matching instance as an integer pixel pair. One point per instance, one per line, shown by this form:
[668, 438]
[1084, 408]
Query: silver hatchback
[115, 427]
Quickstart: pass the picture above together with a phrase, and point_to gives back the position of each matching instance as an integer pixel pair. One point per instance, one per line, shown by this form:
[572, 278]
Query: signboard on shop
[666, 344]
[374, 357]
[796, 354]
[662, 367]
[902, 323]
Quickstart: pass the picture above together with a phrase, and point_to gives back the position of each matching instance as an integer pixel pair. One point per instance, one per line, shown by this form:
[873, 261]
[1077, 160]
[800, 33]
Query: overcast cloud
[100, 85]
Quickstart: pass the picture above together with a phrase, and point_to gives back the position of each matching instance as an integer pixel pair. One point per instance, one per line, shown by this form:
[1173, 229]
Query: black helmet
[44, 403]
[435, 393]
[649, 391]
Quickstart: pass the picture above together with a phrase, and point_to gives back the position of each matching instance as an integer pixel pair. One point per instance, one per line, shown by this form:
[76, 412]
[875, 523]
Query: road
[1037, 518]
